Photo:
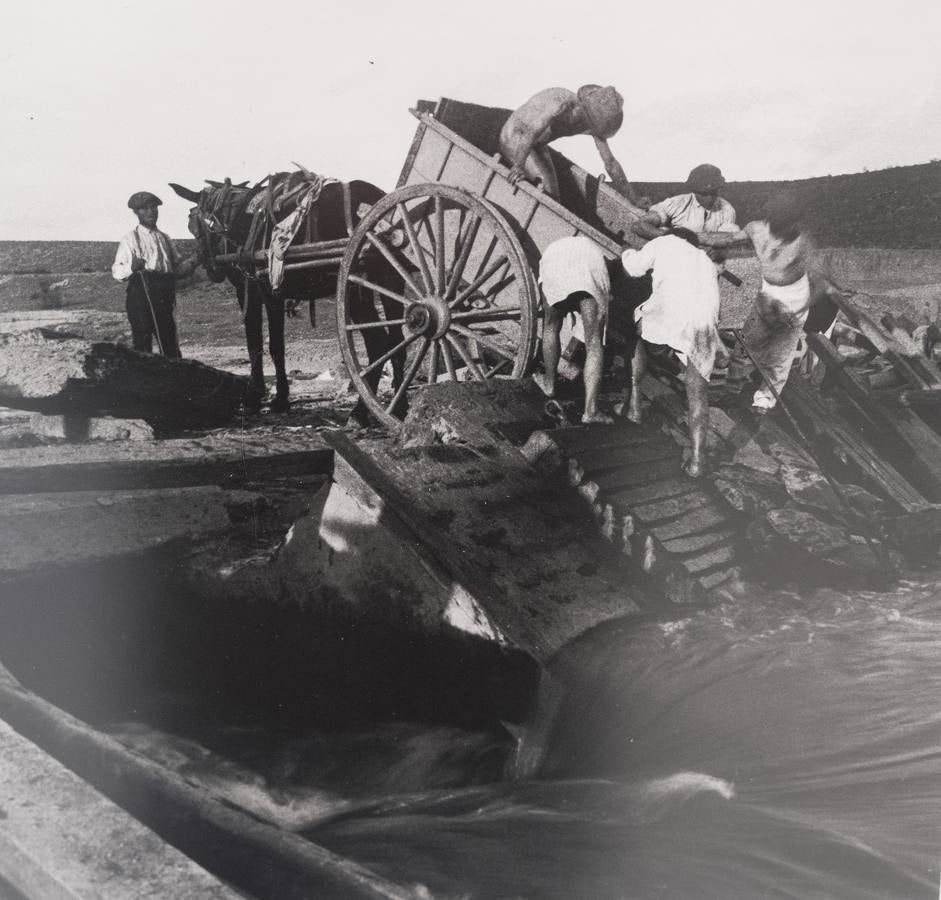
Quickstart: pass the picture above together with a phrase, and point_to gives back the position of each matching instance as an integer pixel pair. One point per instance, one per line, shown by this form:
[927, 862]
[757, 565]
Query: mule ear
[185, 193]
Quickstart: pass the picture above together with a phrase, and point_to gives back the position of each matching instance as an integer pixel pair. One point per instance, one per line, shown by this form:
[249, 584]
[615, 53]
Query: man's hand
[515, 174]
[137, 265]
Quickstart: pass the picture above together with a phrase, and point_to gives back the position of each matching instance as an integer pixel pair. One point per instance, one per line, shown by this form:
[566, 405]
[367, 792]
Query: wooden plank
[215, 459]
[641, 474]
[711, 559]
[42, 532]
[600, 437]
[698, 542]
[607, 458]
[878, 473]
[714, 579]
[670, 487]
[709, 516]
[58, 841]
[659, 510]
[267, 861]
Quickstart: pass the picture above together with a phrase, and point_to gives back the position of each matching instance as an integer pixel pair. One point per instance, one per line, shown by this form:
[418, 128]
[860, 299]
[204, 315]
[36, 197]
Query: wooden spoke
[379, 289]
[491, 314]
[417, 249]
[468, 361]
[426, 225]
[448, 360]
[495, 289]
[433, 363]
[387, 253]
[458, 269]
[439, 241]
[476, 336]
[382, 360]
[478, 281]
[500, 365]
[381, 323]
[486, 257]
[409, 375]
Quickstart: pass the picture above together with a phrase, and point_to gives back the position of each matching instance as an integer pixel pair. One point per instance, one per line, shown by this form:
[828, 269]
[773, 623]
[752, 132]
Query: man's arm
[125, 262]
[650, 225]
[618, 179]
[719, 239]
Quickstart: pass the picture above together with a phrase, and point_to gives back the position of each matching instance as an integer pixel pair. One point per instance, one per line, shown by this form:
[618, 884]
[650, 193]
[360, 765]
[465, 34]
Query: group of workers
[685, 234]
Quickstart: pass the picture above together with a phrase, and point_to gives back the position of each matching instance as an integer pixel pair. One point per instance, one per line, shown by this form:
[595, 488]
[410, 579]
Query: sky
[102, 99]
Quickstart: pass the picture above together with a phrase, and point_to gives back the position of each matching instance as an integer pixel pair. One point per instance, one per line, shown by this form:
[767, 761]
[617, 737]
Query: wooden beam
[260, 858]
[223, 459]
[848, 444]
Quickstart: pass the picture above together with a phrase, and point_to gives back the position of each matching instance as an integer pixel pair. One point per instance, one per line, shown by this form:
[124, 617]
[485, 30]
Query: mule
[237, 219]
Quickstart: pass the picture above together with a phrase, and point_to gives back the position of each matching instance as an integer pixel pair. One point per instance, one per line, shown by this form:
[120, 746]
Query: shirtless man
[555, 113]
[774, 325]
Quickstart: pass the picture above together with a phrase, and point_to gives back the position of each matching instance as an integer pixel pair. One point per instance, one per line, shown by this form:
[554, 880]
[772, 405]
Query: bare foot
[597, 419]
[634, 415]
[694, 468]
[546, 384]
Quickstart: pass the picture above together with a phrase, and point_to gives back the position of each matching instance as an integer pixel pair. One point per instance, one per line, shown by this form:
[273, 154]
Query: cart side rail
[438, 154]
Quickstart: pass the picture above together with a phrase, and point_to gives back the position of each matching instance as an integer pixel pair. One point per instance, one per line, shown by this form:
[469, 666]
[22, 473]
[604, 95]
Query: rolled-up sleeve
[121, 268]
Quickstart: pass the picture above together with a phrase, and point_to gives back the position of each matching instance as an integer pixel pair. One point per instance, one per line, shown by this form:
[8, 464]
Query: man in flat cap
[555, 113]
[147, 261]
[700, 210]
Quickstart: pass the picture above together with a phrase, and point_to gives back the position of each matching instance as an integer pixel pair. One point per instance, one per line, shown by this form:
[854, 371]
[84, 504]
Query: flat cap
[704, 178]
[141, 199]
[603, 108]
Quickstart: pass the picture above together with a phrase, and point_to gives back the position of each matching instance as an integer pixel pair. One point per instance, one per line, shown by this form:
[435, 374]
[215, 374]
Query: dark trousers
[153, 316]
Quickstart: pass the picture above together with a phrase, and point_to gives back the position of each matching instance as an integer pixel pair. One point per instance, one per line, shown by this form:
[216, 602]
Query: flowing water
[775, 745]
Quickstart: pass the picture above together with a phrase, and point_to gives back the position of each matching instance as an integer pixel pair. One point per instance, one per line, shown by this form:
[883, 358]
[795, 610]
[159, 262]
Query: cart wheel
[435, 286]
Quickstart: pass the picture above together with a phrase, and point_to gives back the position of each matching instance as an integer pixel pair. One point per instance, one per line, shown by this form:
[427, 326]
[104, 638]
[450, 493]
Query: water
[775, 745]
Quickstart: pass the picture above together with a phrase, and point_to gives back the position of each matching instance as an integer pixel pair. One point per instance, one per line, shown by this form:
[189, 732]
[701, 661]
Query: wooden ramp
[681, 534]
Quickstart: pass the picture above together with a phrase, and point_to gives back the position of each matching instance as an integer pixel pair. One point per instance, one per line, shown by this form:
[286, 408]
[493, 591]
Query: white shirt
[149, 244]
[685, 211]
[683, 309]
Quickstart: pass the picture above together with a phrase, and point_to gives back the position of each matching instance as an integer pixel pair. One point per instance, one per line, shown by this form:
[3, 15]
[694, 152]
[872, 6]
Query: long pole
[875, 546]
[153, 313]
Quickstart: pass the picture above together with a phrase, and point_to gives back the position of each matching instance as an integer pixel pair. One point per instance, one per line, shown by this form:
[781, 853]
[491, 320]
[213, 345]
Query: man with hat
[555, 113]
[700, 210]
[147, 261]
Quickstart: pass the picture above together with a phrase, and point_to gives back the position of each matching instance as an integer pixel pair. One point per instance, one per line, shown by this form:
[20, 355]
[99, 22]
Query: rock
[78, 428]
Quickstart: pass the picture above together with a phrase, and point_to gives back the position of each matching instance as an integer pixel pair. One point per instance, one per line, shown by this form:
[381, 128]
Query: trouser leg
[772, 346]
[138, 315]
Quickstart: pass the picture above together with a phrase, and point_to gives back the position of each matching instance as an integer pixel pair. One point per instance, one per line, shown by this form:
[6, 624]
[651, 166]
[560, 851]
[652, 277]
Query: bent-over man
[555, 113]
[683, 313]
[147, 261]
[574, 276]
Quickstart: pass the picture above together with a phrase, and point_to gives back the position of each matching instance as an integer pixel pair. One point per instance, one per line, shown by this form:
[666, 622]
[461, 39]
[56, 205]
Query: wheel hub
[429, 316]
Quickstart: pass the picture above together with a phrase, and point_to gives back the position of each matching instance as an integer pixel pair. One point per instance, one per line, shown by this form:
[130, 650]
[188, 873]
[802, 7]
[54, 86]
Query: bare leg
[594, 360]
[697, 399]
[638, 370]
[539, 167]
[551, 326]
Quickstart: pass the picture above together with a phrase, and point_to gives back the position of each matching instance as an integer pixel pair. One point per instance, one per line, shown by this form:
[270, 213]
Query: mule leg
[250, 304]
[376, 341]
[274, 307]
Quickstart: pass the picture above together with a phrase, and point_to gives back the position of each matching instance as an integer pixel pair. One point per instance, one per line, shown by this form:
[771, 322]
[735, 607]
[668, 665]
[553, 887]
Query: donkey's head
[218, 221]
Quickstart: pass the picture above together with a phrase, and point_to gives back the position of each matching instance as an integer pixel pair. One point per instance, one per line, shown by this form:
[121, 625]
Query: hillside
[64, 257]
[891, 208]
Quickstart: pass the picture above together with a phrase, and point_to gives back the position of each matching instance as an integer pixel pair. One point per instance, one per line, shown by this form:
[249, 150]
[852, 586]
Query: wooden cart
[465, 244]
